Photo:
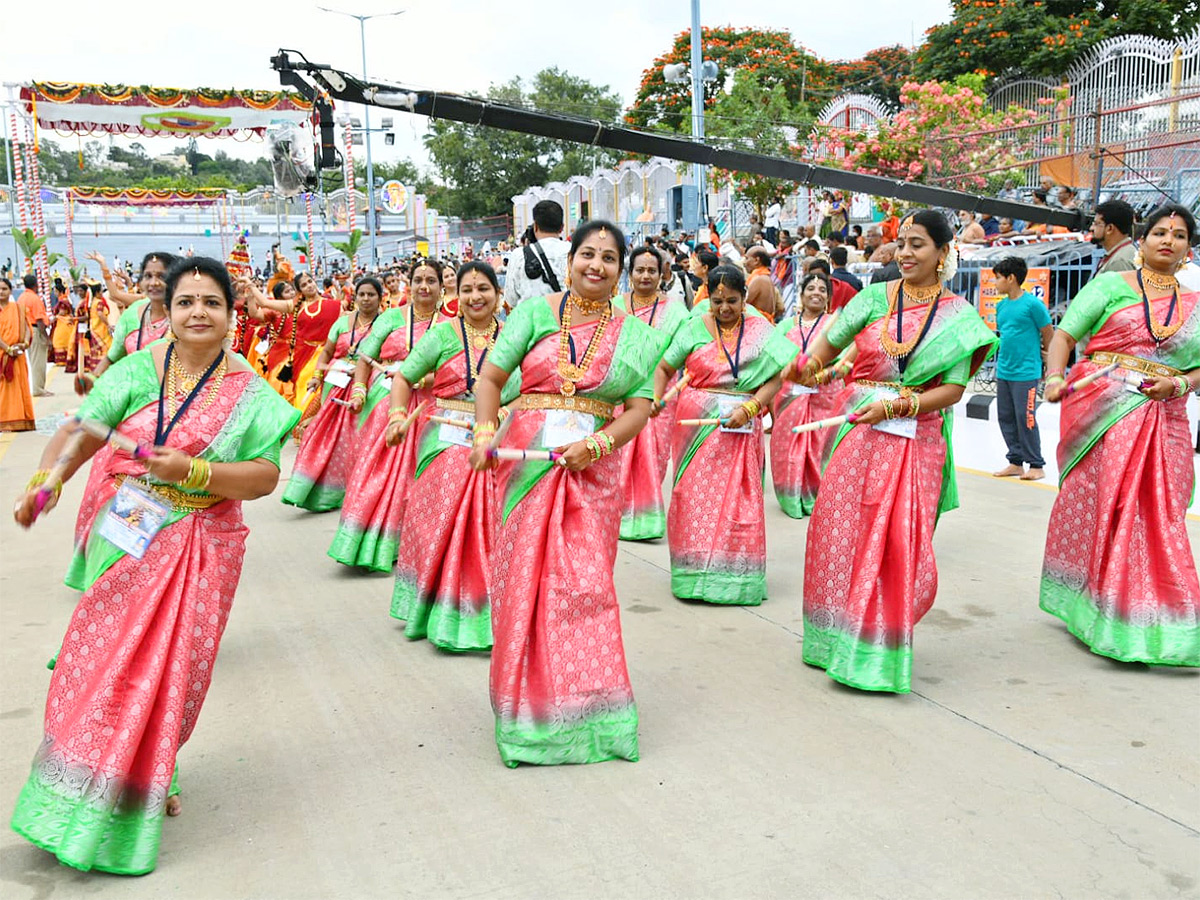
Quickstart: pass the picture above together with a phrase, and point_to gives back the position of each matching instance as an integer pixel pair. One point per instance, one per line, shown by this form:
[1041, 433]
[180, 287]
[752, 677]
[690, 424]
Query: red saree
[137, 658]
[368, 534]
[318, 480]
[1119, 568]
[559, 684]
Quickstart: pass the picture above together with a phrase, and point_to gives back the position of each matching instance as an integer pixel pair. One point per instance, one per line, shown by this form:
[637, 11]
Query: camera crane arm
[314, 80]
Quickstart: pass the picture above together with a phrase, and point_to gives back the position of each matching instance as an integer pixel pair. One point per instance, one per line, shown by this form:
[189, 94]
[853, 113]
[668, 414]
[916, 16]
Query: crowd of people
[491, 443]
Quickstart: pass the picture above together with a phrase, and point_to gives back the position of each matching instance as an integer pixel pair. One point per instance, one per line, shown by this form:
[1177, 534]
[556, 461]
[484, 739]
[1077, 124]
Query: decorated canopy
[143, 197]
[167, 112]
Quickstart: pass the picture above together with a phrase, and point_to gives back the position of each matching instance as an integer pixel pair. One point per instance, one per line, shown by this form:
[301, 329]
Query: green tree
[482, 168]
[748, 117]
[771, 54]
[1041, 37]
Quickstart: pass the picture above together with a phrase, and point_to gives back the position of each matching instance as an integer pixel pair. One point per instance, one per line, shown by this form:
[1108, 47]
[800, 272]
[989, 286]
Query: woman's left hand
[575, 457]
[168, 464]
[1158, 388]
[871, 414]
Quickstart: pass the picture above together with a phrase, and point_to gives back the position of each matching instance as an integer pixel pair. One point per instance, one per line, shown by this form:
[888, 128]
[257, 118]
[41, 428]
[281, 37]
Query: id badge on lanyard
[134, 518]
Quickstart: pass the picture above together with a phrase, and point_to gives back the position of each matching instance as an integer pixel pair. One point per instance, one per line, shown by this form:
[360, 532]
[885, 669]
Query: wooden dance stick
[1088, 379]
[339, 401]
[386, 368]
[511, 453]
[501, 431]
[826, 423]
[446, 420]
[416, 412]
[122, 442]
[698, 421]
[675, 389]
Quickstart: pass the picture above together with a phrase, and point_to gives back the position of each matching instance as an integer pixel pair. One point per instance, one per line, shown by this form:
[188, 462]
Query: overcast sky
[451, 45]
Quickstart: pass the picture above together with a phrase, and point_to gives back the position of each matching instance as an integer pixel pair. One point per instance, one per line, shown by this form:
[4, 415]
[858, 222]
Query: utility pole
[699, 171]
[362, 33]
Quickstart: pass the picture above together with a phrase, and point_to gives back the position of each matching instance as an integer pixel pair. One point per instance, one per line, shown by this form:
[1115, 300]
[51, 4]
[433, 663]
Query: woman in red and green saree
[368, 534]
[869, 570]
[559, 685]
[644, 463]
[715, 528]
[796, 459]
[142, 323]
[1119, 569]
[129, 686]
[442, 574]
[327, 444]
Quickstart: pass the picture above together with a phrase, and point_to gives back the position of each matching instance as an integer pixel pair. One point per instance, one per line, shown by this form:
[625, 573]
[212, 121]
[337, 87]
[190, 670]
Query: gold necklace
[181, 383]
[481, 338]
[635, 303]
[422, 318]
[892, 347]
[1160, 281]
[924, 293]
[573, 372]
[588, 307]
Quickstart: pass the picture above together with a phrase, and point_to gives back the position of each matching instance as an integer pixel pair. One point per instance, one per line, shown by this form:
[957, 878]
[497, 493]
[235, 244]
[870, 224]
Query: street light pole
[362, 33]
[698, 113]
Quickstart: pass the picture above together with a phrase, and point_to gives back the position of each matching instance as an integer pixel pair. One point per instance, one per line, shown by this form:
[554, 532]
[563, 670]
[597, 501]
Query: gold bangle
[40, 477]
[914, 405]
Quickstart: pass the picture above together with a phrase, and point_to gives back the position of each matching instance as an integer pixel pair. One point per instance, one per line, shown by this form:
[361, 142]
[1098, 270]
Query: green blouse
[637, 353]
[776, 352]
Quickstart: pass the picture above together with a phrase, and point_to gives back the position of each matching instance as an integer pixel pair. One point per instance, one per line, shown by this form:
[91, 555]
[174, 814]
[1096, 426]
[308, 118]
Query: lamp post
[362, 33]
[701, 71]
[698, 114]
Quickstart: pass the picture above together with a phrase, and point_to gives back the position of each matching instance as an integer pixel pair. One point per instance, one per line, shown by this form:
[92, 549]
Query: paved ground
[336, 759]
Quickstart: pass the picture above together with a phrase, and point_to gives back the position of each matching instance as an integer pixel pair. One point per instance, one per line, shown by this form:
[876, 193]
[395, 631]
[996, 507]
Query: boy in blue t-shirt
[1024, 328]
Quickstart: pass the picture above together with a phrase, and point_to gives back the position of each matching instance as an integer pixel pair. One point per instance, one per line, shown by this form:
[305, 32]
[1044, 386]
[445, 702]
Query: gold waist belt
[178, 499]
[557, 401]
[459, 405]
[1135, 364]
[903, 389]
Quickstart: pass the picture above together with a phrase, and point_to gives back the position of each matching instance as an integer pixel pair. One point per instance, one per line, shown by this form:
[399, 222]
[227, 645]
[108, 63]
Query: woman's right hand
[25, 509]
[871, 414]
[395, 432]
[480, 460]
[84, 382]
[656, 407]
[1054, 391]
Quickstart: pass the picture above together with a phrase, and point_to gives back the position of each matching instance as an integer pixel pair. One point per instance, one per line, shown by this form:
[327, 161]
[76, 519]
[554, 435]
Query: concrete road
[334, 758]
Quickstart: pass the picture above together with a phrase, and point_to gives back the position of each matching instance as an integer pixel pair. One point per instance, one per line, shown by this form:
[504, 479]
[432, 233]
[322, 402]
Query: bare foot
[174, 807]
[1034, 475]
[1009, 471]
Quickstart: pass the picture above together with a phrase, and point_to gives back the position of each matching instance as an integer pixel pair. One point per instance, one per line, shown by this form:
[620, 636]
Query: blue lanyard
[735, 361]
[161, 435]
[902, 361]
[471, 379]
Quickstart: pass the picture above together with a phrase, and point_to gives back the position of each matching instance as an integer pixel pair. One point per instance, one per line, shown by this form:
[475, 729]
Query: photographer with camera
[541, 266]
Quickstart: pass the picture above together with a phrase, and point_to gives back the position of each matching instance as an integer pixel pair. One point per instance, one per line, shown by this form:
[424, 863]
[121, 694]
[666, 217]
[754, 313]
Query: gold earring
[1138, 260]
[941, 267]
[567, 280]
[170, 335]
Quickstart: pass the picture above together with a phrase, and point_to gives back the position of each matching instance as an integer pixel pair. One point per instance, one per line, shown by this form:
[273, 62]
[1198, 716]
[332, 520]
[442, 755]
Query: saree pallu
[869, 572]
[277, 367]
[796, 458]
[1119, 568]
[138, 654]
[329, 442]
[559, 683]
[644, 459]
[716, 528]
[368, 534]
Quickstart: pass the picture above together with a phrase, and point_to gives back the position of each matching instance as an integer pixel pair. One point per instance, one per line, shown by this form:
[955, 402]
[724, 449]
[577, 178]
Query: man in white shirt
[539, 268]
[771, 221]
